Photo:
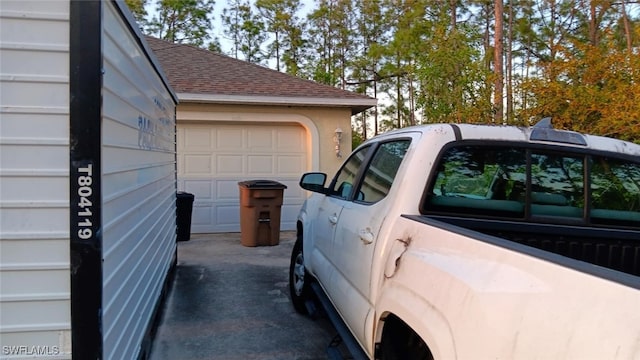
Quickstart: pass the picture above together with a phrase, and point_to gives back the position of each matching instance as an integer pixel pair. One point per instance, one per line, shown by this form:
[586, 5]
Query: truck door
[330, 209]
[357, 232]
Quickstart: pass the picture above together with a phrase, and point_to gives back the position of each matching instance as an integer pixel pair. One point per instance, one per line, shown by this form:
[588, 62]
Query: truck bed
[614, 249]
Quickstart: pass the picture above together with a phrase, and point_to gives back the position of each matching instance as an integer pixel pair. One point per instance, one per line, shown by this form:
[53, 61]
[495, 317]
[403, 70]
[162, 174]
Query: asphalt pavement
[232, 302]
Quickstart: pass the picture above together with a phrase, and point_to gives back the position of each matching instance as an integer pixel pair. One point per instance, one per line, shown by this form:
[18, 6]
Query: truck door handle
[333, 219]
[366, 236]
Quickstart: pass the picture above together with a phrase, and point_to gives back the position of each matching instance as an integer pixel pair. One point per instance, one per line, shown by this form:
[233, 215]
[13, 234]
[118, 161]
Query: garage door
[213, 158]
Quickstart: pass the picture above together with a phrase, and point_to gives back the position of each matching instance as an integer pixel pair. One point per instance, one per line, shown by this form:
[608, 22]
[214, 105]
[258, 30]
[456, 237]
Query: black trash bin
[260, 203]
[184, 209]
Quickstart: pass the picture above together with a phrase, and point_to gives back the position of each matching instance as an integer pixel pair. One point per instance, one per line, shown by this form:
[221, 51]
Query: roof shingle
[193, 70]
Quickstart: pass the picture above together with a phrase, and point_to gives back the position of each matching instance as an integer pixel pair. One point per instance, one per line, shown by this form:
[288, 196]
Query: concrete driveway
[232, 302]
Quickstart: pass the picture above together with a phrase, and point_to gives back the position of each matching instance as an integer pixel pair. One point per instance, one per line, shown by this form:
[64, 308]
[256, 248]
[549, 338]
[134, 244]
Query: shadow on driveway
[232, 302]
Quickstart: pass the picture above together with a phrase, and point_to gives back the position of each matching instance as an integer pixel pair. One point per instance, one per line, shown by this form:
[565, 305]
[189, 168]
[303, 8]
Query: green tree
[438, 66]
[587, 78]
[498, 62]
[594, 92]
[138, 10]
[369, 44]
[215, 46]
[245, 29]
[407, 20]
[321, 62]
[330, 39]
[281, 21]
[453, 78]
[183, 21]
[436, 60]
[232, 22]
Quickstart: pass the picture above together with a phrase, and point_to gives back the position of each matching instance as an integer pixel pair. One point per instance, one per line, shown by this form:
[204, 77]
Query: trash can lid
[184, 195]
[262, 184]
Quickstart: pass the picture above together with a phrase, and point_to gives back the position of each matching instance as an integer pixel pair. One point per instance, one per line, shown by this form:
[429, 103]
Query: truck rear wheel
[400, 342]
[298, 279]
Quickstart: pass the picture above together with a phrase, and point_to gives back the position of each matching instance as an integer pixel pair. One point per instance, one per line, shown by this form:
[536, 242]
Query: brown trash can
[260, 203]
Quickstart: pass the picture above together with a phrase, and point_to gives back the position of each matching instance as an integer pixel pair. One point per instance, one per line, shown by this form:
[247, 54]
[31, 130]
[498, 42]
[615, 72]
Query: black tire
[298, 279]
[399, 342]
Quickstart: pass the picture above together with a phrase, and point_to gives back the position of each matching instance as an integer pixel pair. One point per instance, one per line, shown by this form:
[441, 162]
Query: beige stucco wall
[319, 122]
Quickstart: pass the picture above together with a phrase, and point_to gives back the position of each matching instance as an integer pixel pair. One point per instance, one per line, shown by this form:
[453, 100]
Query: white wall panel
[34, 180]
[44, 123]
[138, 179]
[36, 155]
[138, 165]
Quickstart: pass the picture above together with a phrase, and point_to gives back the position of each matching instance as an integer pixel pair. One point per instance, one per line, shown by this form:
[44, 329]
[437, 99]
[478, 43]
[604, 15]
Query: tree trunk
[509, 56]
[498, 65]
[488, 50]
[627, 28]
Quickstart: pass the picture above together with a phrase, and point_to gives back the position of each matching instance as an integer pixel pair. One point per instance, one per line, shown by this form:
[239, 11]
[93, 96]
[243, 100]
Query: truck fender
[420, 315]
[304, 230]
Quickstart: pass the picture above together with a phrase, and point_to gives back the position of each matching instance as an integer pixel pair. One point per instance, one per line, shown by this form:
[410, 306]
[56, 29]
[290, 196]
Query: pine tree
[183, 21]
[245, 29]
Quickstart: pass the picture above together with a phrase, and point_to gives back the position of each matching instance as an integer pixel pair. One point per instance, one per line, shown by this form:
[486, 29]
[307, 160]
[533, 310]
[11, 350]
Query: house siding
[34, 178]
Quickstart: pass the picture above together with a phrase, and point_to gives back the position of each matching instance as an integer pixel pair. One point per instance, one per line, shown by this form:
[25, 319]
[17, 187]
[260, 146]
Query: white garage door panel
[227, 138]
[260, 139]
[229, 165]
[260, 165]
[198, 164]
[290, 165]
[199, 138]
[213, 158]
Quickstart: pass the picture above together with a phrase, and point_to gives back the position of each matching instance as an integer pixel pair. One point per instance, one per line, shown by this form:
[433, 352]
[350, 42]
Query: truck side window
[491, 181]
[615, 192]
[343, 181]
[477, 180]
[557, 185]
[382, 170]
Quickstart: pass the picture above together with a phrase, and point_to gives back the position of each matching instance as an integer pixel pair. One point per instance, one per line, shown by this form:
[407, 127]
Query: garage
[240, 121]
[213, 157]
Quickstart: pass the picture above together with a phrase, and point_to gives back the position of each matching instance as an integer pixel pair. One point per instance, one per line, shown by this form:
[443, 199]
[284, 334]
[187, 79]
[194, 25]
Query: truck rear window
[535, 185]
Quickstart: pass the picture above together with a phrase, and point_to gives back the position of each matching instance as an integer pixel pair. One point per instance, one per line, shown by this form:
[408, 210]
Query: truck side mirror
[314, 181]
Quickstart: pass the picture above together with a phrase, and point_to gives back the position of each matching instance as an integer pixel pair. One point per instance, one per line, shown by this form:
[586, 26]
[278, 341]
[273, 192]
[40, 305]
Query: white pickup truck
[458, 241]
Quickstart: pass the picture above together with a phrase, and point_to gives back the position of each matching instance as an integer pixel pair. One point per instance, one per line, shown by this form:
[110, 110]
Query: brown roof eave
[356, 105]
